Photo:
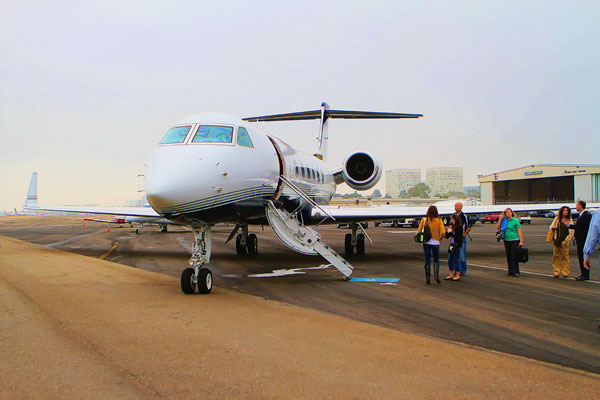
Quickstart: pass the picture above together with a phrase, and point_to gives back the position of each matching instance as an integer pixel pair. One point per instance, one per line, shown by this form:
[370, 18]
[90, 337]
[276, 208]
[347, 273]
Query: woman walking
[455, 233]
[433, 229]
[513, 239]
[561, 264]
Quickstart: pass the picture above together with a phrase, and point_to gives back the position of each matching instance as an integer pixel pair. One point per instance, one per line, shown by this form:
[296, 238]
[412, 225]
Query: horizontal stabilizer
[316, 114]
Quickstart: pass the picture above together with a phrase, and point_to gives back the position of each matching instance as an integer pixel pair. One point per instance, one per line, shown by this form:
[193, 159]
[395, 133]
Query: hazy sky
[88, 88]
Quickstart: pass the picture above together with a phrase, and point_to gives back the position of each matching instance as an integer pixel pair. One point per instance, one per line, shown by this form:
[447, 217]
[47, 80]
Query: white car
[525, 220]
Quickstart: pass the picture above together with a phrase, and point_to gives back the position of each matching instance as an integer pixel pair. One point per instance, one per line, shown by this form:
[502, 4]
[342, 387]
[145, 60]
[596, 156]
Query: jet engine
[361, 170]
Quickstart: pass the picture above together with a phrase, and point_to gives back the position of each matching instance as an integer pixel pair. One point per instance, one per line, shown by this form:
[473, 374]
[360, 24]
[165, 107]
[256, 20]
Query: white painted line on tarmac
[522, 272]
[285, 272]
[74, 239]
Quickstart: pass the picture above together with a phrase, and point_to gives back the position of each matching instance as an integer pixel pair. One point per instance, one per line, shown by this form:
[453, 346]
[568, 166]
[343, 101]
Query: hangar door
[559, 189]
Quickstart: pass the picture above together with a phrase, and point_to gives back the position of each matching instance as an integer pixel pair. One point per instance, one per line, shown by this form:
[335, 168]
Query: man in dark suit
[581, 230]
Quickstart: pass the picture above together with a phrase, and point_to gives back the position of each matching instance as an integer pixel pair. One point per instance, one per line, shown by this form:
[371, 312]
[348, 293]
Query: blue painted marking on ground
[378, 280]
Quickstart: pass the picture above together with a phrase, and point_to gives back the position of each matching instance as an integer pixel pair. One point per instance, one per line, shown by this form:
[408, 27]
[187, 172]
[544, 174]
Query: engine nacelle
[361, 170]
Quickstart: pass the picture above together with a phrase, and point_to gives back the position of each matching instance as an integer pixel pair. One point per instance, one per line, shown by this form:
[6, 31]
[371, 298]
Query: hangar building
[542, 183]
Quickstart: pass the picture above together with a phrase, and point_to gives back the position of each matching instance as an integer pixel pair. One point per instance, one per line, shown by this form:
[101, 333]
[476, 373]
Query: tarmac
[75, 325]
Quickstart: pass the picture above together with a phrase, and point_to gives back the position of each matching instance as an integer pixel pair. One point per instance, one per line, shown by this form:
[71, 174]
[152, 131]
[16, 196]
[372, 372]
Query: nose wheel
[198, 277]
[203, 282]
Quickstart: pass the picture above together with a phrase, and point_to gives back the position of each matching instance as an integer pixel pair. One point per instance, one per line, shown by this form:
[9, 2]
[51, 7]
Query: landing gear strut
[198, 276]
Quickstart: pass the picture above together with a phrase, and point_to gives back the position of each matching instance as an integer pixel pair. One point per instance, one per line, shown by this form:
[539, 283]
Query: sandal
[449, 278]
[456, 278]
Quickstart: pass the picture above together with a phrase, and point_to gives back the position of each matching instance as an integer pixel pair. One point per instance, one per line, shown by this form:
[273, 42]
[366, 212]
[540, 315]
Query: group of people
[586, 232]
[458, 229]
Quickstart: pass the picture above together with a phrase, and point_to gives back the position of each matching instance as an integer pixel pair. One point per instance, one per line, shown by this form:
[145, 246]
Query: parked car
[543, 214]
[491, 218]
[396, 222]
[525, 220]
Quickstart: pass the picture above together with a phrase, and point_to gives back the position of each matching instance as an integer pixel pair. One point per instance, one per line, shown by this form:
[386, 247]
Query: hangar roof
[541, 171]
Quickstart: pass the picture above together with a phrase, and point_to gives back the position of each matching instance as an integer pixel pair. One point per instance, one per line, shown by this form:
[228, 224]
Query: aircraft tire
[137, 231]
[187, 283]
[252, 244]
[348, 248]
[239, 249]
[360, 245]
[205, 281]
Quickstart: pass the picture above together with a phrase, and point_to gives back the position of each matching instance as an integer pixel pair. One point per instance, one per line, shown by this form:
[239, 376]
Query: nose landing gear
[198, 276]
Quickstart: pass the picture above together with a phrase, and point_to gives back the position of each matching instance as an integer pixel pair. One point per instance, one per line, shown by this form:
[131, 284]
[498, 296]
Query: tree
[454, 194]
[420, 190]
[387, 196]
[376, 193]
[403, 194]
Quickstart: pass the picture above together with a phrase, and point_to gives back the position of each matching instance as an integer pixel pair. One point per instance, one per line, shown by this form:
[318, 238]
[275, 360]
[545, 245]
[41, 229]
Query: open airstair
[303, 239]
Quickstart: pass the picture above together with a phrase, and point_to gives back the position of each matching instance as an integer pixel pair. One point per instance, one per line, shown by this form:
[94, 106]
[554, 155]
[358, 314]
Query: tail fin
[323, 137]
[32, 199]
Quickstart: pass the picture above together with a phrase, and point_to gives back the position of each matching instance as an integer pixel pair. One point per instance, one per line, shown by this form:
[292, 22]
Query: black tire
[348, 249]
[205, 281]
[163, 228]
[137, 231]
[252, 244]
[239, 249]
[187, 281]
[360, 245]
[376, 224]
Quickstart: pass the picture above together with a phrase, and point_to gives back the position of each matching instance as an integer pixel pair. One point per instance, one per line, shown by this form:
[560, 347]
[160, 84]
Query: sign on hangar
[542, 183]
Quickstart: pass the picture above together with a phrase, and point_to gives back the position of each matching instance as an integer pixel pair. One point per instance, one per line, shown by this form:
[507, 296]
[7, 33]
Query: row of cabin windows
[207, 134]
[309, 173]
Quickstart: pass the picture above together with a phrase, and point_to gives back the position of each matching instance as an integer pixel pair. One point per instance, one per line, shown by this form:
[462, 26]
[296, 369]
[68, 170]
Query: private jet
[211, 168]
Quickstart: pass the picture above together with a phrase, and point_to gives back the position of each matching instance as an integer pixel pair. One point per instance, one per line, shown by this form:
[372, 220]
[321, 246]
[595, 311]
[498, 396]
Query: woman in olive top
[561, 264]
[513, 238]
[432, 245]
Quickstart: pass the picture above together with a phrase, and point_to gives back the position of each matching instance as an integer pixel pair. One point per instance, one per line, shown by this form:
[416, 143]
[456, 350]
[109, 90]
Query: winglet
[31, 199]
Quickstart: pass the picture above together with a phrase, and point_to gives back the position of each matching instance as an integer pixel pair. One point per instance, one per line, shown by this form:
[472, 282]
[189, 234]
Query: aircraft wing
[122, 211]
[31, 204]
[375, 213]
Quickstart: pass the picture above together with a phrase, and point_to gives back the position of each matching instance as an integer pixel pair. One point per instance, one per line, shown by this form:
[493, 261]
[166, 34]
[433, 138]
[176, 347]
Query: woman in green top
[513, 239]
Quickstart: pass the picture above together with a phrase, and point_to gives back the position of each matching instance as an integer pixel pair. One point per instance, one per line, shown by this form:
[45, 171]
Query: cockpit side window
[176, 135]
[243, 138]
[213, 134]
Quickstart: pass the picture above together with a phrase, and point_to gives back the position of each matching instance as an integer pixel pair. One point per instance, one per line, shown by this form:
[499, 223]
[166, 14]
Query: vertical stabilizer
[323, 137]
[32, 199]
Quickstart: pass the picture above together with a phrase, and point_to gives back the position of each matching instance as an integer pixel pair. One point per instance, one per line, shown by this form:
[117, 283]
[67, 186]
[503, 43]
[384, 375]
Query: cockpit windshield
[176, 135]
[213, 134]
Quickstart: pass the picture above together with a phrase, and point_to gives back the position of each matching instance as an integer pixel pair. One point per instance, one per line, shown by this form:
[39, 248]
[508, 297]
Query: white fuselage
[226, 178]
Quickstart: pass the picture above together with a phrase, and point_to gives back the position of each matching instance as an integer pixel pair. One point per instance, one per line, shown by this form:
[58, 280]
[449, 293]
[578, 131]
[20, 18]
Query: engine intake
[361, 170]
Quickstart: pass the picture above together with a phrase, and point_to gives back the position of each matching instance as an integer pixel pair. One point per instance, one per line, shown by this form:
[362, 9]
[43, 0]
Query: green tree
[454, 194]
[376, 193]
[420, 190]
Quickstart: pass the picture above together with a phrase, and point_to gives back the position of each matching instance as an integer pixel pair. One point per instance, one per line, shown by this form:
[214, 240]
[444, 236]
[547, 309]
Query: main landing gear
[354, 243]
[198, 276]
[246, 244]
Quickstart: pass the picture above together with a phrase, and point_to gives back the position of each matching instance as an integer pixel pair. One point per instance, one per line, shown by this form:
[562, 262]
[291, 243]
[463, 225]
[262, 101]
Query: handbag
[426, 231]
[419, 237]
[522, 255]
[425, 235]
[550, 236]
[451, 249]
